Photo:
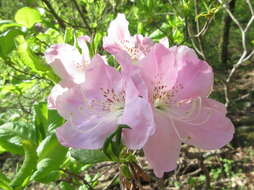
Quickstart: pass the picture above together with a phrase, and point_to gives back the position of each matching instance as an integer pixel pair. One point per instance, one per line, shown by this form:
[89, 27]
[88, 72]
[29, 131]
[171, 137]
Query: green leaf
[27, 16]
[140, 28]
[36, 63]
[2, 149]
[96, 42]
[51, 156]
[28, 166]
[54, 120]
[7, 42]
[66, 186]
[46, 120]
[4, 186]
[89, 156]
[41, 119]
[69, 36]
[113, 145]
[7, 24]
[4, 182]
[18, 88]
[11, 136]
[12, 146]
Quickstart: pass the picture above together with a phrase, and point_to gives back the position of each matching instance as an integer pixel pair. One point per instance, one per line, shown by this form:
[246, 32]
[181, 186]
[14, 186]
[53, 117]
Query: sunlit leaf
[11, 136]
[33, 61]
[4, 182]
[7, 42]
[41, 119]
[28, 165]
[89, 156]
[27, 16]
[51, 156]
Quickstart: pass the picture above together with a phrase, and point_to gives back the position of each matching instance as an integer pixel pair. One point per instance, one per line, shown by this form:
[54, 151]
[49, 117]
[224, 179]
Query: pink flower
[68, 64]
[119, 39]
[95, 108]
[163, 98]
[178, 84]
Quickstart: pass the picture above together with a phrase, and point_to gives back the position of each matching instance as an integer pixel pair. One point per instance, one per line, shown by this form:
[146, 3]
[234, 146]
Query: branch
[78, 177]
[226, 32]
[244, 56]
[11, 64]
[204, 28]
[198, 31]
[53, 12]
[81, 15]
[188, 28]
[243, 31]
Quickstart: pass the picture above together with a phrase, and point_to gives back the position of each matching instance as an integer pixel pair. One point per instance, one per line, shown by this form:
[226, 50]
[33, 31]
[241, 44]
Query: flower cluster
[160, 92]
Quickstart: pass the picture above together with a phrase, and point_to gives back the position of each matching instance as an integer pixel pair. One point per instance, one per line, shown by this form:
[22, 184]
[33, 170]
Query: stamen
[110, 99]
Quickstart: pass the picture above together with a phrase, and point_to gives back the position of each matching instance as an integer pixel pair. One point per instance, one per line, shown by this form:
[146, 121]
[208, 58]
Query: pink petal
[215, 105]
[159, 65]
[82, 42]
[100, 75]
[91, 134]
[144, 44]
[56, 91]
[72, 106]
[117, 32]
[66, 62]
[210, 130]
[131, 74]
[163, 148]
[194, 75]
[138, 115]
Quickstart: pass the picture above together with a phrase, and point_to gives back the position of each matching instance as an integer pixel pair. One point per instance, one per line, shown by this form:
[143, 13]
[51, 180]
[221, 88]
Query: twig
[81, 15]
[226, 33]
[11, 64]
[192, 40]
[198, 31]
[249, 56]
[250, 6]
[243, 31]
[226, 94]
[204, 28]
[244, 56]
[79, 177]
[135, 176]
[206, 172]
[112, 181]
[53, 12]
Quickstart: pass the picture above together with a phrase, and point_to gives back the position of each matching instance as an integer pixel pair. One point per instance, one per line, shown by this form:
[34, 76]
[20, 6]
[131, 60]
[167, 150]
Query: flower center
[133, 51]
[113, 101]
[163, 97]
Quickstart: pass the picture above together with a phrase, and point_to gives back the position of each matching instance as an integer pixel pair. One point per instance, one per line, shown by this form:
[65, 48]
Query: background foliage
[30, 154]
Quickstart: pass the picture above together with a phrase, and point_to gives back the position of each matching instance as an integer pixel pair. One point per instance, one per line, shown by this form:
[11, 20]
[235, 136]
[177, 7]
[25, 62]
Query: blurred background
[221, 32]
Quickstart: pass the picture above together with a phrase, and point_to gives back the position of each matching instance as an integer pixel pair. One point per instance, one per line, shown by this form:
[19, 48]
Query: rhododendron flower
[119, 39]
[95, 108]
[163, 98]
[178, 84]
[68, 64]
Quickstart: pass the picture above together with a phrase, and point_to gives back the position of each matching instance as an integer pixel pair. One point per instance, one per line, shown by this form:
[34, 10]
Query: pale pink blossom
[179, 83]
[120, 39]
[68, 64]
[163, 98]
[95, 108]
